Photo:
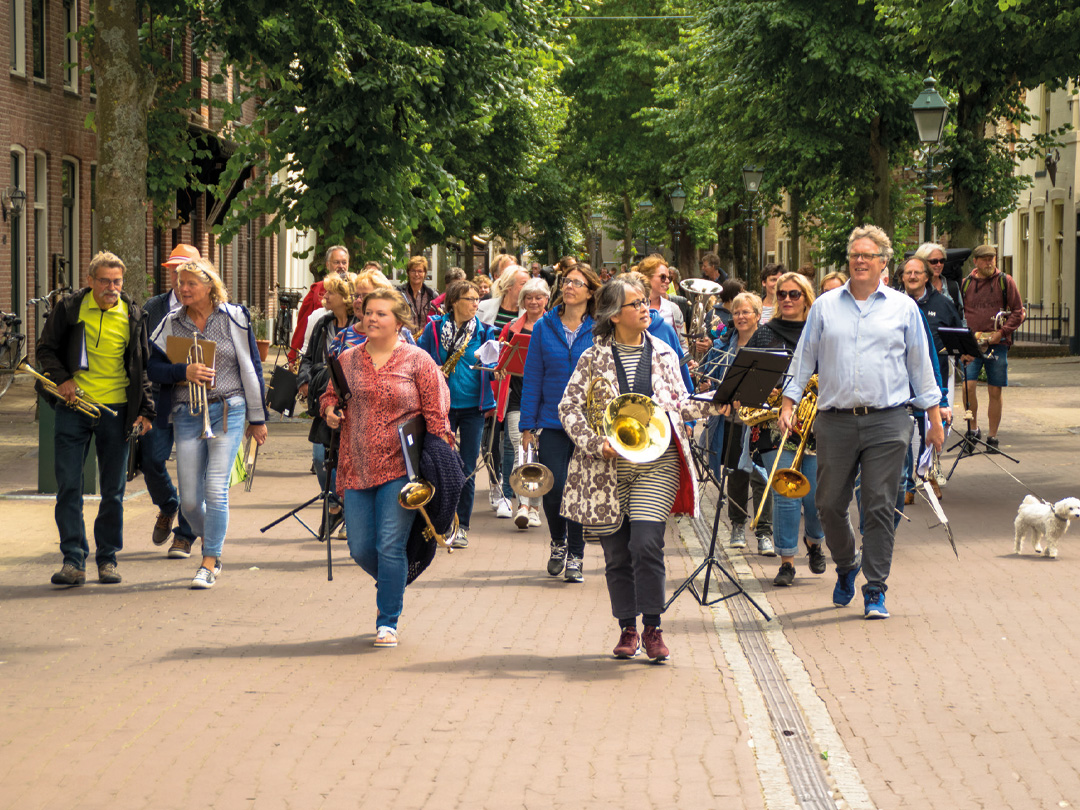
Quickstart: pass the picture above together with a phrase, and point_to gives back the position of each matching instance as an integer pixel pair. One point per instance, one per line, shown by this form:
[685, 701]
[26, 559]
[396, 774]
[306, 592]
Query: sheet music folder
[412, 435]
[752, 376]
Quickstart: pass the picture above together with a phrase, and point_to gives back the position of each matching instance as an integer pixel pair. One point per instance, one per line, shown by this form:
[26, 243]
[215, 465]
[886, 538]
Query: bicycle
[12, 341]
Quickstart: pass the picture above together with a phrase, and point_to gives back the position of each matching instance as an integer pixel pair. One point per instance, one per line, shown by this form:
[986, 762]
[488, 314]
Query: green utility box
[47, 454]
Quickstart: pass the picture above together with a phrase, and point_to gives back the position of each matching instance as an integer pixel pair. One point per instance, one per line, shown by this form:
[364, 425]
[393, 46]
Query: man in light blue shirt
[868, 345]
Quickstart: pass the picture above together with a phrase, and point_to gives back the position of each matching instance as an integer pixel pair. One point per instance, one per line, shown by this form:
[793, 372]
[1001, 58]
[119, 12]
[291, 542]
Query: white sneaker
[494, 496]
[521, 519]
[534, 517]
[204, 578]
[504, 510]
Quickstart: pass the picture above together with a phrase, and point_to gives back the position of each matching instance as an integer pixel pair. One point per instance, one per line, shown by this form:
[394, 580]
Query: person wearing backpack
[994, 311]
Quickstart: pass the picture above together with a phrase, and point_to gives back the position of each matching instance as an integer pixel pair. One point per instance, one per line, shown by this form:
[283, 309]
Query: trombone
[80, 403]
[198, 396]
[790, 482]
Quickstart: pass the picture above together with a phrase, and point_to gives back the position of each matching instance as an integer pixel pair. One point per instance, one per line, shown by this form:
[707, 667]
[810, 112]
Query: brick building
[48, 222]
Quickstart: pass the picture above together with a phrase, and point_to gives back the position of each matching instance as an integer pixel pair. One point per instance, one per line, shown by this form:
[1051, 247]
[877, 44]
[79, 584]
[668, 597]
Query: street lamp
[930, 111]
[751, 177]
[645, 208]
[678, 202]
[597, 220]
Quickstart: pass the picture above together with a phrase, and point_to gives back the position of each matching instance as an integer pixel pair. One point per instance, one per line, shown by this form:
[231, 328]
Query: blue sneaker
[844, 591]
[875, 604]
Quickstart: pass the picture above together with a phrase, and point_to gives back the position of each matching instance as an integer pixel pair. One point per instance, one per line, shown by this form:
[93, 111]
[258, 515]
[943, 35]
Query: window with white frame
[18, 36]
[69, 220]
[71, 46]
[41, 225]
[38, 31]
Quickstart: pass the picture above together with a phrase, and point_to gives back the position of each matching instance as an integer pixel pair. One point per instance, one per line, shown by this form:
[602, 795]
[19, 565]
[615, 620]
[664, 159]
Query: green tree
[358, 101]
[986, 54]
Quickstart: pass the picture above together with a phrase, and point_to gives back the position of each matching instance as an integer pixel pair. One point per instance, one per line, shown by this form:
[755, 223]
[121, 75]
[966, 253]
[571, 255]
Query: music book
[512, 357]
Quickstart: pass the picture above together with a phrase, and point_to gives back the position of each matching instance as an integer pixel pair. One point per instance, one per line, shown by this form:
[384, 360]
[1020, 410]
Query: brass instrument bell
[531, 479]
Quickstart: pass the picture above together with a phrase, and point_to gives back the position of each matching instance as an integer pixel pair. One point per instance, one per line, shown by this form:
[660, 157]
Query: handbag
[281, 393]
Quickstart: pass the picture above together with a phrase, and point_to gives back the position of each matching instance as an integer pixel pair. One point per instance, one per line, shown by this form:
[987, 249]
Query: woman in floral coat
[627, 504]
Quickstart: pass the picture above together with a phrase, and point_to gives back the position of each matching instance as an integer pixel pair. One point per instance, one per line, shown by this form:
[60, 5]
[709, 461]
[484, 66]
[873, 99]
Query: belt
[862, 410]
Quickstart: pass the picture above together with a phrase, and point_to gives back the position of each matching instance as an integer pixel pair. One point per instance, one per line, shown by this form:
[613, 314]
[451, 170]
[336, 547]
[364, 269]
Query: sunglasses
[664, 278]
[794, 295]
[935, 261]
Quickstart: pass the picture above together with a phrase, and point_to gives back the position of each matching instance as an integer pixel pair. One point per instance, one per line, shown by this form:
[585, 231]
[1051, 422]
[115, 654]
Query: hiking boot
[163, 527]
[69, 575]
[180, 548]
[738, 535]
[557, 559]
[817, 557]
[653, 642]
[629, 643]
[107, 574]
[786, 575]
[573, 569]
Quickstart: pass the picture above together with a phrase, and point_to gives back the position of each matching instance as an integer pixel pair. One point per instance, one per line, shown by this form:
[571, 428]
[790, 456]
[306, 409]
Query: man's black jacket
[62, 347]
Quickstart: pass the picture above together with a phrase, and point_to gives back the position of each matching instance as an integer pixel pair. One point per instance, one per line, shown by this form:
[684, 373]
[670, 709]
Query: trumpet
[415, 495]
[198, 396]
[634, 424]
[531, 479]
[80, 403]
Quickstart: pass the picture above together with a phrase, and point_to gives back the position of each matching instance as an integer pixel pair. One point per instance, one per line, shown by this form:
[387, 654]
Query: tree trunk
[628, 234]
[795, 203]
[125, 89]
[971, 128]
[880, 206]
[467, 258]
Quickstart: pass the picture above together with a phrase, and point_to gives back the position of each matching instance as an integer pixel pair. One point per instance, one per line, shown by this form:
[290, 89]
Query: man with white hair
[336, 261]
[869, 347]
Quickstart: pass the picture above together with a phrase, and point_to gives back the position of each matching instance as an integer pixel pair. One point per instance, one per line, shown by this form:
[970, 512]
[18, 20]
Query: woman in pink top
[391, 382]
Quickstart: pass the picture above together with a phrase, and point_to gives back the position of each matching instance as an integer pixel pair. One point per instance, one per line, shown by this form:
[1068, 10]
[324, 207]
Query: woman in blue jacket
[460, 334]
[558, 340]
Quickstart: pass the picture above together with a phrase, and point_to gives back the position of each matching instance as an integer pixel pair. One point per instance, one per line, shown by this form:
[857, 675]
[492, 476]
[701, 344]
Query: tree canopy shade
[986, 53]
[359, 101]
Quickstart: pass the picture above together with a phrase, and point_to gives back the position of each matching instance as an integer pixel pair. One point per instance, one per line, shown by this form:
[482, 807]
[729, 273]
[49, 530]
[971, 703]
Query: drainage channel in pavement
[779, 700]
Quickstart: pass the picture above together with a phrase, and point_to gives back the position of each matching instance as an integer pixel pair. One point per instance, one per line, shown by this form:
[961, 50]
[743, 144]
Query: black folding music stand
[960, 342]
[751, 377]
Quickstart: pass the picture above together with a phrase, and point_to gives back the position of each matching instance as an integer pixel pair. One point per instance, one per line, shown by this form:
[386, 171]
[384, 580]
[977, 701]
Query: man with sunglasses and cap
[156, 446]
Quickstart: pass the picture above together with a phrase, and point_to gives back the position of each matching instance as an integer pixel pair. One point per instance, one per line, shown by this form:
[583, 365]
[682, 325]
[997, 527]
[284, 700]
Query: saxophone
[757, 416]
[452, 361]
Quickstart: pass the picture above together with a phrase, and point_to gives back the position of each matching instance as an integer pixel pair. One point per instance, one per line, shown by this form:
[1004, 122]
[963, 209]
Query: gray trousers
[876, 444]
[634, 568]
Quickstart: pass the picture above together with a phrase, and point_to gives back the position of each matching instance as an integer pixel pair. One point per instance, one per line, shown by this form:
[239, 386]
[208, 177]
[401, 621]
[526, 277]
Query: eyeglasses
[865, 256]
[794, 295]
[577, 284]
[935, 261]
[664, 278]
[471, 299]
[641, 303]
[109, 282]
[743, 313]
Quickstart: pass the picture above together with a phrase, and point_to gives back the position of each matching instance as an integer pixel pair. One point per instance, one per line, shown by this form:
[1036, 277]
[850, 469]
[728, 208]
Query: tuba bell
[700, 291]
[531, 479]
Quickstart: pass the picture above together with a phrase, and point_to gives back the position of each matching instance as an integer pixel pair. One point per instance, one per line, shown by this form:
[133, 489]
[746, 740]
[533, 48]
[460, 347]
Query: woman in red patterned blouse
[391, 382]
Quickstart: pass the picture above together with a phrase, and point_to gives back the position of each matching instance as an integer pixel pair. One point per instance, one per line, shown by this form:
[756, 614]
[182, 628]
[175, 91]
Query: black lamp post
[930, 112]
[751, 176]
[598, 259]
[644, 208]
[678, 202]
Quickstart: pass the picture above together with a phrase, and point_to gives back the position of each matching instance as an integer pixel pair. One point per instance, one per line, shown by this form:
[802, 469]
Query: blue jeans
[556, 448]
[156, 448]
[377, 527]
[470, 423]
[787, 511]
[203, 467]
[318, 455]
[996, 364]
[73, 433]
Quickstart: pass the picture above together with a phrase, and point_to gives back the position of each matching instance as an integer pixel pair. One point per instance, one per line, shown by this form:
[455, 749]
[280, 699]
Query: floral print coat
[591, 496]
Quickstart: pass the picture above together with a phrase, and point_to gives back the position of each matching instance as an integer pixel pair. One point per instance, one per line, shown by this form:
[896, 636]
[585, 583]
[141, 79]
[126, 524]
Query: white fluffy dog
[1044, 523]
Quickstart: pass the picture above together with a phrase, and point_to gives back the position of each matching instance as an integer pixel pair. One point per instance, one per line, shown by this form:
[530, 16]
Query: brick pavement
[265, 692]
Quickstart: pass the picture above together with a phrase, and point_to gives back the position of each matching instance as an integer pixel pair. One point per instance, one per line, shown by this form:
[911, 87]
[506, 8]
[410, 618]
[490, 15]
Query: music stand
[751, 377]
[341, 387]
[960, 342]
